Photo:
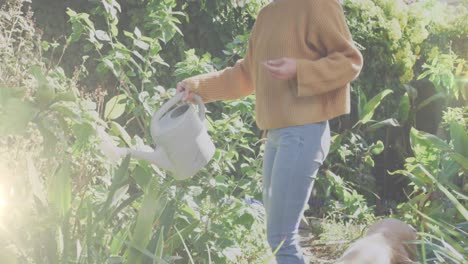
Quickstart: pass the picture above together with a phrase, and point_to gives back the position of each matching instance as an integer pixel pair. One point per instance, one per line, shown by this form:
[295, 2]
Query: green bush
[68, 203]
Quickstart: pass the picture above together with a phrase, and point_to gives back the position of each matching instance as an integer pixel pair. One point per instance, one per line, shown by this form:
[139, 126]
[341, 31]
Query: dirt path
[320, 251]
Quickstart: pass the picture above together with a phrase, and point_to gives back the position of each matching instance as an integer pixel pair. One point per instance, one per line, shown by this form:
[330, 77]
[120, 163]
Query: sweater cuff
[195, 85]
[304, 85]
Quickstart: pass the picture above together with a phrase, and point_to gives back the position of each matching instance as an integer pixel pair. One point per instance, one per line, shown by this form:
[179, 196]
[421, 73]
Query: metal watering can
[183, 143]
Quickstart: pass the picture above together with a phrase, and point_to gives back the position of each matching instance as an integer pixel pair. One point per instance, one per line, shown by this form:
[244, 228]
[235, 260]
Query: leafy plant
[437, 172]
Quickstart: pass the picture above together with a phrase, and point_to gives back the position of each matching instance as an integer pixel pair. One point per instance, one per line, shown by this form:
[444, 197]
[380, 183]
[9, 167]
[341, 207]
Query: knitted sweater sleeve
[341, 61]
[228, 84]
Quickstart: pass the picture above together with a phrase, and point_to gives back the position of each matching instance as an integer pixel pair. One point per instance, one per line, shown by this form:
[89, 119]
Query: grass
[325, 240]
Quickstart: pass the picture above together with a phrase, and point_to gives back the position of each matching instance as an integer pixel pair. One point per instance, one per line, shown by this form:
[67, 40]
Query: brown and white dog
[386, 242]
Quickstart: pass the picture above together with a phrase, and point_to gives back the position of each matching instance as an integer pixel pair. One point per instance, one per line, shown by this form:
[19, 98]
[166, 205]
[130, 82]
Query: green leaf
[246, 220]
[404, 108]
[377, 148]
[411, 91]
[102, 35]
[369, 108]
[59, 189]
[369, 161]
[45, 126]
[428, 140]
[110, 65]
[137, 32]
[119, 180]
[185, 246]
[141, 44]
[437, 96]
[362, 101]
[118, 241]
[463, 211]
[15, 116]
[82, 132]
[160, 60]
[151, 209]
[115, 260]
[459, 138]
[419, 181]
[68, 96]
[460, 159]
[176, 240]
[158, 254]
[35, 182]
[117, 129]
[114, 107]
[391, 122]
[142, 176]
[336, 142]
[45, 93]
[67, 109]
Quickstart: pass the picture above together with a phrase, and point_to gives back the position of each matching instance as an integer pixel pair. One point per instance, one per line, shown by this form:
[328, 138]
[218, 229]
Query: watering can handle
[177, 98]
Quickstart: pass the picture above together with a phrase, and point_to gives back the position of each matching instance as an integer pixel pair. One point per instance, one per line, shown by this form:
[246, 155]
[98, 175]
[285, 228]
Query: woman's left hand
[282, 69]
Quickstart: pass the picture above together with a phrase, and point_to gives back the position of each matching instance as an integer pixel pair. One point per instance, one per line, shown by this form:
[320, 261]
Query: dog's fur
[386, 242]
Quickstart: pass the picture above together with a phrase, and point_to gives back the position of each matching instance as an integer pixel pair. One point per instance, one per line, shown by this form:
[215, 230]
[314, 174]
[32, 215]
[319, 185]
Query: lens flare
[3, 202]
[3, 189]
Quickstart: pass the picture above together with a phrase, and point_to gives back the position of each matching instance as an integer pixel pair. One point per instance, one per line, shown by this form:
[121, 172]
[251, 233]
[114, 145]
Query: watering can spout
[157, 157]
[110, 149]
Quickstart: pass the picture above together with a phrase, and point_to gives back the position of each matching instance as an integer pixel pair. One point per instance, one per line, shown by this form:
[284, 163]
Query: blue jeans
[292, 158]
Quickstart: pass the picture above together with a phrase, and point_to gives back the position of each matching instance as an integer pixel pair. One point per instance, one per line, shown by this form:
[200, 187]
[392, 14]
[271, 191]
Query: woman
[299, 62]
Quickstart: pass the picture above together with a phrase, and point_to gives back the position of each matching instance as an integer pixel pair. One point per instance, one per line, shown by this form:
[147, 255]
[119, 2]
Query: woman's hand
[183, 88]
[282, 69]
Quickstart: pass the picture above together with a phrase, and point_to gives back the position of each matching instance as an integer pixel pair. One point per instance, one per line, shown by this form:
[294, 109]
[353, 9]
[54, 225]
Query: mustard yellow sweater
[314, 32]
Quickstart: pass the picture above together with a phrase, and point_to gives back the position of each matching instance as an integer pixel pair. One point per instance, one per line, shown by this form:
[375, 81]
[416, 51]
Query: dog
[386, 242]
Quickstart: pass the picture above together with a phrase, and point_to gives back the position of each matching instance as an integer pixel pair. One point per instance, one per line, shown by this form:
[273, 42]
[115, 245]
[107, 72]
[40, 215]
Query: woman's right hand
[183, 88]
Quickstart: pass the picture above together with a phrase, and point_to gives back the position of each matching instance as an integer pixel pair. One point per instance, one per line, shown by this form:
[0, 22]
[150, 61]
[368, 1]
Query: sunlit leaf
[15, 116]
[35, 181]
[115, 107]
[141, 44]
[459, 138]
[102, 35]
[151, 208]
[369, 108]
[59, 189]
[404, 108]
[427, 139]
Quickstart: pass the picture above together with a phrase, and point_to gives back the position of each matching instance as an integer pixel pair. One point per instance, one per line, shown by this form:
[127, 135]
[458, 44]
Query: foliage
[90, 212]
[68, 203]
[437, 204]
[447, 72]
